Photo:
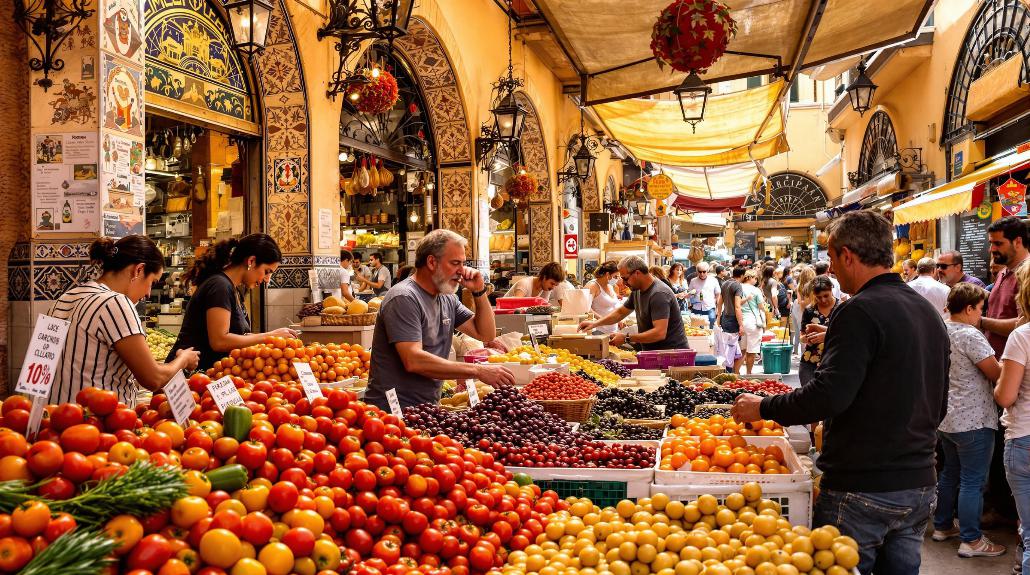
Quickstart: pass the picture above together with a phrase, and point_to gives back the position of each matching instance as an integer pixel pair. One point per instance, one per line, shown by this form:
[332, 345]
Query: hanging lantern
[691, 35]
[861, 91]
[376, 96]
[520, 186]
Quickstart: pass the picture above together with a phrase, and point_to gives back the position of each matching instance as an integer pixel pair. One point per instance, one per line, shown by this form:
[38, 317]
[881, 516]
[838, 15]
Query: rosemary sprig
[79, 552]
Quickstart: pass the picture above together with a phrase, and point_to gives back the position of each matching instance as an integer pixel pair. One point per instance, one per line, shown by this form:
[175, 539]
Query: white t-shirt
[525, 288]
[1016, 417]
[707, 291]
[934, 291]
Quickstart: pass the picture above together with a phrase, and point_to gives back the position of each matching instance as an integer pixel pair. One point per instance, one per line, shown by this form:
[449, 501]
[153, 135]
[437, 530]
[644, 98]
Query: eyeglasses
[699, 272]
[945, 266]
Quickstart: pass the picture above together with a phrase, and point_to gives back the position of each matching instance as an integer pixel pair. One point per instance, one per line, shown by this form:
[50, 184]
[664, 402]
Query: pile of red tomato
[333, 486]
[767, 387]
[554, 386]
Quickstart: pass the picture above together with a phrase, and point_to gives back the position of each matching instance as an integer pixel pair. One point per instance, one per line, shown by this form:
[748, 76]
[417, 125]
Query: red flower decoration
[520, 186]
[690, 35]
[377, 96]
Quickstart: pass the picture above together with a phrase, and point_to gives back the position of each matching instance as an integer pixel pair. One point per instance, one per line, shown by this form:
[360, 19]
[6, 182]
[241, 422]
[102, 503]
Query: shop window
[754, 82]
[795, 92]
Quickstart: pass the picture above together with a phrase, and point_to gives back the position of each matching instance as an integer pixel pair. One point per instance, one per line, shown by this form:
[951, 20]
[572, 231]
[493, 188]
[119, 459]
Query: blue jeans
[1017, 471]
[710, 313]
[888, 526]
[967, 457]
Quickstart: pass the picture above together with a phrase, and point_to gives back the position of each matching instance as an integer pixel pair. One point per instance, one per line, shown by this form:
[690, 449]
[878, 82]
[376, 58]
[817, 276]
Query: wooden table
[336, 334]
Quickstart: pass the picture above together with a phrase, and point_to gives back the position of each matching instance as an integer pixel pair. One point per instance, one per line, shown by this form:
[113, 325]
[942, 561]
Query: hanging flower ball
[377, 96]
[520, 186]
[690, 35]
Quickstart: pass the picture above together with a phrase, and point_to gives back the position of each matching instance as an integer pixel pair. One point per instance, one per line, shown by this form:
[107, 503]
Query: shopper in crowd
[679, 284]
[806, 275]
[784, 262]
[215, 321]
[1008, 238]
[106, 344]
[721, 274]
[545, 285]
[818, 313]
[346, 275]
[823, 269]
[925, 285]
[379, 279]
[602, 291]
[416, 322]
[967, 431]
[731, 319]
[754, 306]
[403, 272]
[659, 274]
[951, 272]
[995, 268]
[881, 391]
[659, 323]
[770, 289]
[704, 293]
[908, 270]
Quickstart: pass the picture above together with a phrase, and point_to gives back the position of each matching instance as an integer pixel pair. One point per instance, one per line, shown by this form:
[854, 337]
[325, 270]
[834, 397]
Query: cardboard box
[591, 346]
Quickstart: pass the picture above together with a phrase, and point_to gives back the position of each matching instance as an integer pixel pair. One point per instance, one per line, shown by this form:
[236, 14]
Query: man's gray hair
[866, 234]
[633, 264]
[435, 244]
[703, 266]
[925, 266]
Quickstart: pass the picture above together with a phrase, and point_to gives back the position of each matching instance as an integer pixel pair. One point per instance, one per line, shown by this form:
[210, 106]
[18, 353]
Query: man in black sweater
[881, 390]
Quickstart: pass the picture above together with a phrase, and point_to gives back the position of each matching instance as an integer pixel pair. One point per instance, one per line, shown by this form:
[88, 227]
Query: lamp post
[49, 22]
[353, 21]
[249, 20]
[861, 91]
[693, 97]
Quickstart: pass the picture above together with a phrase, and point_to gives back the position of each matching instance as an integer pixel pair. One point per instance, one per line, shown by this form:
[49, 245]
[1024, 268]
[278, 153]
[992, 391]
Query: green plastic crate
[776, 357]
[602, 493]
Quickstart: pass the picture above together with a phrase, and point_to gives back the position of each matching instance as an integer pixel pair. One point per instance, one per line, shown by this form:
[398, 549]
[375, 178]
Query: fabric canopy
[689, 204]
[958, 195]
[721, 188]
[654, 130]
[609, 40]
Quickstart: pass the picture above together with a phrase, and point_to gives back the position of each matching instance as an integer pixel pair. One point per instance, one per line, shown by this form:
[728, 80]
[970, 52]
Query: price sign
[45, 347]
[660, 187]
[35, 417]
[224, 392]
[470, 387]
[307, 379]
[536, 331]
[395, 404]
[180, 399]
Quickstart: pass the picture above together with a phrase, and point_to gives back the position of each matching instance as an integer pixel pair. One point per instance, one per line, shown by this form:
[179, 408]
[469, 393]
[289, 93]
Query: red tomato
[257, 528]
[252, 454]
[45, 458]
[391, 509]
[30, 518]
[481, 558]
[387, 550]
[359, 540]
[59, 525]
[57, 488]
[283, 496]
[84, 438]
[103, 402]
[158, 442]
[122, 418]
[290, 436]
[300, 540]
[15, 552]
[66, 415]
[431, 540]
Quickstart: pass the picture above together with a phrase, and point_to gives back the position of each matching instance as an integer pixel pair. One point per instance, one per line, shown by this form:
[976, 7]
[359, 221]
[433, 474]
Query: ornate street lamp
[861, 91]
[580, 154]
[353, 21]
[249, 20]
[509, 116]
[693, 97]
[52, 21]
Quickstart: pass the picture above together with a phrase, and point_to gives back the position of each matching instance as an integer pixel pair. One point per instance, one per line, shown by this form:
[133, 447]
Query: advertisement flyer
[122, 185]
[65, 190]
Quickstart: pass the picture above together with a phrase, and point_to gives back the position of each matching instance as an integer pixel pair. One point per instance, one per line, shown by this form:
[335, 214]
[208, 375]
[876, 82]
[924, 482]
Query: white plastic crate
[799, 439]
[701, 343]
[697, 478]
[638, 481]
[795, 501]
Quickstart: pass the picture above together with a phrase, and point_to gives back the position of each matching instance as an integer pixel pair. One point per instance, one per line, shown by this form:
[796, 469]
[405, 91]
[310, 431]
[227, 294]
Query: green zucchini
[228, 478]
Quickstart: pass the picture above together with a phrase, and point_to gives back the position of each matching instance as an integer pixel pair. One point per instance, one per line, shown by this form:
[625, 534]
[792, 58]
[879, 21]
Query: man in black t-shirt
[731, 317]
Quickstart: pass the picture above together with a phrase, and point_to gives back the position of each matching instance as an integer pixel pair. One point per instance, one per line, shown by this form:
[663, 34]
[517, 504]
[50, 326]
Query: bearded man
[416, 322]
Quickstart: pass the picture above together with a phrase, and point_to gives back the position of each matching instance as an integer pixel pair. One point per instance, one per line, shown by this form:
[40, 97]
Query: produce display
[553, 385]
[766, 388]
[461, 399]
[311, 309]
[683, 426]
[697, 332]
[160, 343]
[625, 403]
[744, 535]
[707, 411]
[526, 355]
[613, 427]
[514, 430]
[272, 361]
[719, 455]
[681, 398]
[616, 367]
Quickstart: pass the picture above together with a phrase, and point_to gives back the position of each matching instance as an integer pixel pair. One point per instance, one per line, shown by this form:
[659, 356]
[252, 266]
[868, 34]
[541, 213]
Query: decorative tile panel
[591, 195]
[18, 283]
[541, 235]
[327, 261]
[591, 239]
[20, 252]
[534, 151]
[288, 223]
[289, 277]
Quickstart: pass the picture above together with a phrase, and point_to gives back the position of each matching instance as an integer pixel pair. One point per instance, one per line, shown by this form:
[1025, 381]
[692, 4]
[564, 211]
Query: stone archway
[541, 202]
[439, 84]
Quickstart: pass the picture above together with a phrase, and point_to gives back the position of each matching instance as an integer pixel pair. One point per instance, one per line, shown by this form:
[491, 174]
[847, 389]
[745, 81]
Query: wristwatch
[486, 288]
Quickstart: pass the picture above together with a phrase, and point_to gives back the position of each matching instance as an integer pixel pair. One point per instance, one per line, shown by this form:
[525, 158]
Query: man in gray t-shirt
[416, 322]
[659, 323]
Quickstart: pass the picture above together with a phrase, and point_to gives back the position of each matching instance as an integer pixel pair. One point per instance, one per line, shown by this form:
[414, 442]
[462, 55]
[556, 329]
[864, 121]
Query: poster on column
[121, 185]
[65, 194]
[121, 103]
[120, 22]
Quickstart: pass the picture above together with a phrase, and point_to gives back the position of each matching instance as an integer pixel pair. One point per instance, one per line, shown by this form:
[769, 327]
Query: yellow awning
[713, 183]
[955, 196]
[609, 40]
[654, 130]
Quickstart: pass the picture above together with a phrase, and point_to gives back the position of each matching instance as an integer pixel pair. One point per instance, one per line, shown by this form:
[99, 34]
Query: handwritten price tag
[307, 379]
[45, 348]
[180, 399]
[395, 404]
[470, 387]
[224, 392]
[536, 331]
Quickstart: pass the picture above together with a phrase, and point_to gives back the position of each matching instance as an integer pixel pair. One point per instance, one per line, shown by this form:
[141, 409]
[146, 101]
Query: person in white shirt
[546, 284]
[346, 275]
[602, 290]
[934, 291]
[704, 293]
[785, 262]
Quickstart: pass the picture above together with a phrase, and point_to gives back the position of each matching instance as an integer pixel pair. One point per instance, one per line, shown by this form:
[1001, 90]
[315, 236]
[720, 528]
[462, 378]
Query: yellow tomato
[255, 497]
[324, 506]
[173, 430]
[122, 452]
[248, 566]
[260, 481]
[142, 454]
[304, 566]
[262, 423]
[248, 550]
[279, 529]
[232, 505]
[197, 483]
[188, 510]
[326, 555]
[212, 428]
[221, 548]
[307, 518]
[126, 530]
[277, 558]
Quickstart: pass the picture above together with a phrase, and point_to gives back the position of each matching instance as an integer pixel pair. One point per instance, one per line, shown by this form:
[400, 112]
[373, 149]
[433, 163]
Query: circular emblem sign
[660, 187]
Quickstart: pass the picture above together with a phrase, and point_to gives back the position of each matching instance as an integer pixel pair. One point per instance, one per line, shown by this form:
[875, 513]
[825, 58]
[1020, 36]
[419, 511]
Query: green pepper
[236, 422]
[228, 478]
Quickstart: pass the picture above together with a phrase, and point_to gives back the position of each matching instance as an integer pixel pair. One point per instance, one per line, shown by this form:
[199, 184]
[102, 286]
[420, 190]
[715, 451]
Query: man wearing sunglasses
[951, 272]
[659, 323]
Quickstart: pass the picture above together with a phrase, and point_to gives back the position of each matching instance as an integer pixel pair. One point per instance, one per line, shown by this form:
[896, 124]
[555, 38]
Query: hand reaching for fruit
[494, 375]
[747, 408]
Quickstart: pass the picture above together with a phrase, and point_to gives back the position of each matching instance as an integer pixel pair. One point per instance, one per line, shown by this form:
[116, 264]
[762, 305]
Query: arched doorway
[879, 154]
[785, 195]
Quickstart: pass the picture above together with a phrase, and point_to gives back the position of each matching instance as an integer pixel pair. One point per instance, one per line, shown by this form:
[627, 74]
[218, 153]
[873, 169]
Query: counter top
[332, 328]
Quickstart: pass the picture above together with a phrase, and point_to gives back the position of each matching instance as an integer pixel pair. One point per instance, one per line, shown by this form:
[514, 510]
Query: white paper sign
[224, 392]
[45, 348]
[35, 417]
[180, 399]
[537, 330]
[473, 393]
[395, 404]
[307, 379]
[325, 228]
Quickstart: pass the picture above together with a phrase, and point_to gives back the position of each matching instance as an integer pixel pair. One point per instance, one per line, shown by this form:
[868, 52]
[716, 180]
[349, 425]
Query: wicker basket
[361, 319]
[572, 410]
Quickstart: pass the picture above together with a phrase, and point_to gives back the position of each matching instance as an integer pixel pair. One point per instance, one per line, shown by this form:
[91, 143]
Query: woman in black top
[216, 321]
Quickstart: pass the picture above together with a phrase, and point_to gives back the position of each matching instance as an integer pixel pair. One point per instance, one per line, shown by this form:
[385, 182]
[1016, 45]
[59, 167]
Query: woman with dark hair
[542, 285]
[823, 304]
[216, 321]
[679, 284]
[602, 290]
[106, 345]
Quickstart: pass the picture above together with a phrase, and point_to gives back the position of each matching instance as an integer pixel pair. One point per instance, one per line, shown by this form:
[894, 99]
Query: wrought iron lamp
[48, 23]
[861, 91]
[580, 154]
[353, 21]
[509, 115]
[249, 24]
[693, 97]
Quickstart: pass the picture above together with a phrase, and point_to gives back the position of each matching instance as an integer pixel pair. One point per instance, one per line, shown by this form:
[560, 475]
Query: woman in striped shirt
[106, 346]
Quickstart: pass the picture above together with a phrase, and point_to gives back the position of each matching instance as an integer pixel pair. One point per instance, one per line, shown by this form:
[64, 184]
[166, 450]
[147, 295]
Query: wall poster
[122, 185]
[64, 182]
[122, 99]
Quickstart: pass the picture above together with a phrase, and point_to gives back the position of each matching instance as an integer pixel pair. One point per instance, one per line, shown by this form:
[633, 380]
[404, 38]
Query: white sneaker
[980, 548]
[939, 535]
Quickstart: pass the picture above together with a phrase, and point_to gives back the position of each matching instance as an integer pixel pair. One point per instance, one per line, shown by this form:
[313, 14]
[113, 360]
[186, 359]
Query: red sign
[571, 246]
